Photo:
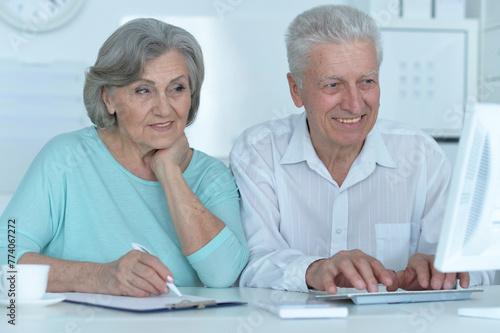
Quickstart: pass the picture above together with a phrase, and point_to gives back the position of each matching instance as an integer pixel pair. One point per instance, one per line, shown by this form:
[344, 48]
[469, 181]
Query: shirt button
[339, 231]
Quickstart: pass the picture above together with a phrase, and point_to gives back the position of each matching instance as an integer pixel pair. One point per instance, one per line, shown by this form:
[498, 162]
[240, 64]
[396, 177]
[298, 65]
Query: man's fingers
[397, 281]
[349, 269]
[369, 269]
[464, 279]
[449, 281]
[352, 272]
[422, 270]
[320, 275]
[383, 275]
[329, 284]
[373, 273]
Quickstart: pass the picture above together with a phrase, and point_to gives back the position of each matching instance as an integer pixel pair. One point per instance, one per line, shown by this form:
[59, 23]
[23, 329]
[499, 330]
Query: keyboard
[402, 296]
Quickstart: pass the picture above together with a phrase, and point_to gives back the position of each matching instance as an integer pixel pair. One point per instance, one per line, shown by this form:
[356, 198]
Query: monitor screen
[470, 236]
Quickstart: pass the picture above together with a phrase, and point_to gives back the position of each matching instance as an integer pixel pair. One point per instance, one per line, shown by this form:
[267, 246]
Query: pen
[170, 285]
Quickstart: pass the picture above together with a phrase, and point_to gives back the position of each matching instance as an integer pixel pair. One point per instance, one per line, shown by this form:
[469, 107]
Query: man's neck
[338, 159]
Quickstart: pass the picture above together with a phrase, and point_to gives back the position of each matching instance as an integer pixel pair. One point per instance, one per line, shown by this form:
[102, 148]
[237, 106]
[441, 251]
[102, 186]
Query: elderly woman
[130, 178]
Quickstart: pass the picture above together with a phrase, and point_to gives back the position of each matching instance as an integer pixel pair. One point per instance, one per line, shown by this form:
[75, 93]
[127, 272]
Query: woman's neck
[128, 154]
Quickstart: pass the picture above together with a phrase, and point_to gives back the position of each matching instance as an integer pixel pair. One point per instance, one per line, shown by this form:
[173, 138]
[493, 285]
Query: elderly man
[332, 197]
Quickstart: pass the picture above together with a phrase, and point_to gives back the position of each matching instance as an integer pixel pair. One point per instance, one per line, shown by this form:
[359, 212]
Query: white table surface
[416, 317]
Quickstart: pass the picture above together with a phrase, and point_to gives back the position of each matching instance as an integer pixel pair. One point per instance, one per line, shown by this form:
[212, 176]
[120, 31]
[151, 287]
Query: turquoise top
[76, 202]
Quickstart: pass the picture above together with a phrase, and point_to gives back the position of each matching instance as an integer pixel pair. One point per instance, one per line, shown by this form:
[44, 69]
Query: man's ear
[106, 97]
[295, 91]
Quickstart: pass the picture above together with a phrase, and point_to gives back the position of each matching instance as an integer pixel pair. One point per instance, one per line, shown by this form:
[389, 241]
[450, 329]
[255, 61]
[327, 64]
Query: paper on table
[142, 304]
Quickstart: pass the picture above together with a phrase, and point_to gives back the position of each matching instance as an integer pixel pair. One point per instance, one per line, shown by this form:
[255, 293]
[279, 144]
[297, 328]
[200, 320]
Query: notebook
[146, 304]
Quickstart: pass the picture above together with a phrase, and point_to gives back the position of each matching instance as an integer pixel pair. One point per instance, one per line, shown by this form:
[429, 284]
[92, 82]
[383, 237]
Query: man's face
[340, 94]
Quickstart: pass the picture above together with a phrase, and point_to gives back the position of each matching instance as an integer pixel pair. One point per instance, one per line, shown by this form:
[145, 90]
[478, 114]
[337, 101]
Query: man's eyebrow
[332, 77]
[340, 77]
[369, 74]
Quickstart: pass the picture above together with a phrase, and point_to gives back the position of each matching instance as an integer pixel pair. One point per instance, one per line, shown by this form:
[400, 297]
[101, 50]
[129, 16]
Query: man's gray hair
[327, 24]
[122, 59]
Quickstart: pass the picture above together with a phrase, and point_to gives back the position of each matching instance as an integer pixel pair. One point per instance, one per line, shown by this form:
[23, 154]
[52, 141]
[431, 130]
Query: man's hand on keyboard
[420, 274]
[348, 269]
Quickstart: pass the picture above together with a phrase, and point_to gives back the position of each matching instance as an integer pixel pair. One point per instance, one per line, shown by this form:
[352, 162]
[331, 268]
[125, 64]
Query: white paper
[140, 304]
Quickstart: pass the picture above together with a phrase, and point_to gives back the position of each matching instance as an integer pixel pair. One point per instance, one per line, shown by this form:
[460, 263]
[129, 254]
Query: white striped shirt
[390, 205]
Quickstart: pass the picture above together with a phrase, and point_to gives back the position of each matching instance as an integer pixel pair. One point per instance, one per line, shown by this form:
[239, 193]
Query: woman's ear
[106, 97]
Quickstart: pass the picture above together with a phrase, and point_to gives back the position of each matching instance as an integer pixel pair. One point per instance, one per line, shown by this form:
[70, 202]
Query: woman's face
[152, 112]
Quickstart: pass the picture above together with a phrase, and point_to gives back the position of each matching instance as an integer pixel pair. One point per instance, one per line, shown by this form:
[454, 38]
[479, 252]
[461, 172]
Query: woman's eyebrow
[153, 82]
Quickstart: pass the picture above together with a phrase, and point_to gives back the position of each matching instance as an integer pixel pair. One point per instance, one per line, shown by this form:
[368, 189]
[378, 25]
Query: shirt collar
[301, 149]
[375, 151]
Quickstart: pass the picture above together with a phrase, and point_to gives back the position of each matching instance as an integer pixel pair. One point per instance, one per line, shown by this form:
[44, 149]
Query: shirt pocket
[395, 243]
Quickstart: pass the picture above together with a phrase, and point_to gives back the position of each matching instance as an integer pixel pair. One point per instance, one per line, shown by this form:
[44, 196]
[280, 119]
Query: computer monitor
[470, 236]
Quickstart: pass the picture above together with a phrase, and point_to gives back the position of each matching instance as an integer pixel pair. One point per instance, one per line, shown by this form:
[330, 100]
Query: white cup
[24, 283]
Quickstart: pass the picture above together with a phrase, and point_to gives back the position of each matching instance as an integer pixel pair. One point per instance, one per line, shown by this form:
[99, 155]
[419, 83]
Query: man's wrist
[311, 272]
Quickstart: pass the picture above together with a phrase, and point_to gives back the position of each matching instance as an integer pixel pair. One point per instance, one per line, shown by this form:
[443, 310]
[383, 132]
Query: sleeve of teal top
[220, 262]
[36, 204]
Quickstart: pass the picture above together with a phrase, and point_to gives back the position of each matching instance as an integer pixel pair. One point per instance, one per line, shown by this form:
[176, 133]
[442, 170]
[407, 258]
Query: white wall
[240, 38]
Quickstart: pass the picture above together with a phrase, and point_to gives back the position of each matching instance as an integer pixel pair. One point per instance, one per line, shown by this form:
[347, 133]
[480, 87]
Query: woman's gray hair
[323, 25]
[122, 59]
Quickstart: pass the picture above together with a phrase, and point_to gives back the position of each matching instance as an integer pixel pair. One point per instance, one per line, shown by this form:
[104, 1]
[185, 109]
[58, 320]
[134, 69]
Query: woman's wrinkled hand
[136, 274]
[176, 155]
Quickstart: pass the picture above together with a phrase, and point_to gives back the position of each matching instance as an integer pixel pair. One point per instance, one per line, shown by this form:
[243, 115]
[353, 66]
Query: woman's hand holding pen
[136, 274]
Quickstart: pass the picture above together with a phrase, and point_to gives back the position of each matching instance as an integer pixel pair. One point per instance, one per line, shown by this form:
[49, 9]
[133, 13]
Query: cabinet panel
[428, 74]
[491, 13]
[491, 54]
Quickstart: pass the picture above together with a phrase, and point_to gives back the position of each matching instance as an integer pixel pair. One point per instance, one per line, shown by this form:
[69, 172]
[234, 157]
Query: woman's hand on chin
[177, 155]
